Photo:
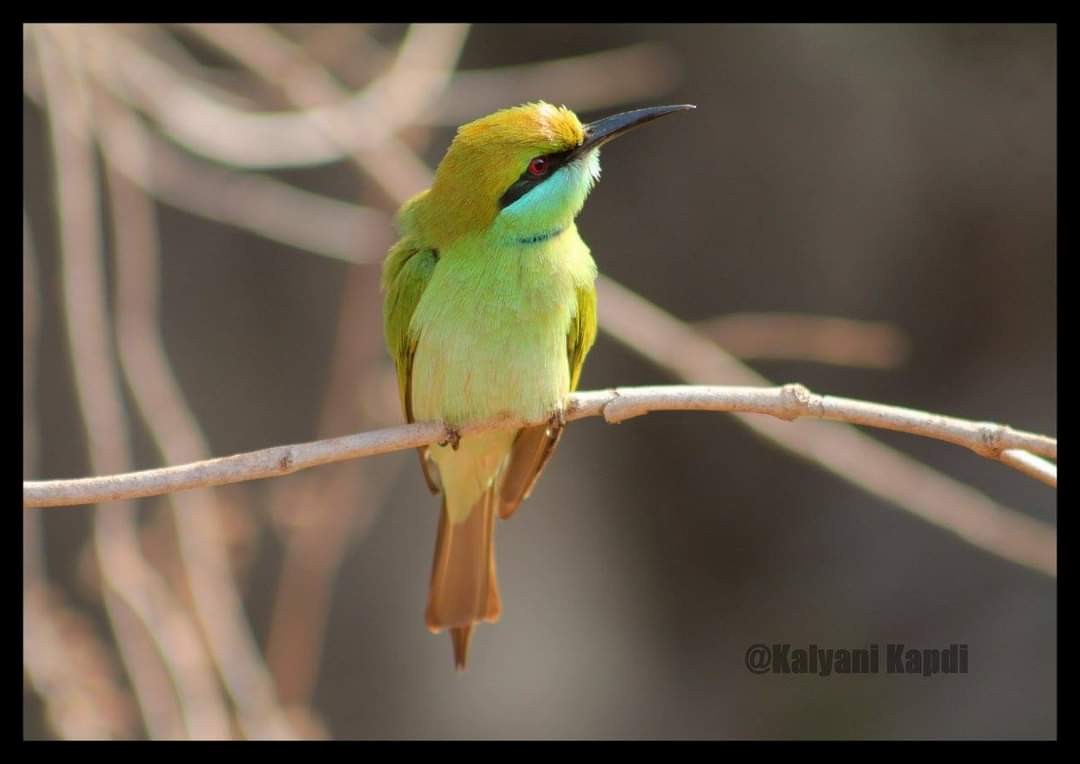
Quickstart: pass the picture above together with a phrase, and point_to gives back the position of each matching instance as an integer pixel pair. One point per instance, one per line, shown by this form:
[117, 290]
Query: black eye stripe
[527, 182]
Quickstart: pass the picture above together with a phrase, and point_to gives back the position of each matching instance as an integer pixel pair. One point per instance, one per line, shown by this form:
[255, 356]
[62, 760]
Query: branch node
[615, 411]
[1018, 449]
[452, 437]
[556, 422]
[798, 402]
[991, 440]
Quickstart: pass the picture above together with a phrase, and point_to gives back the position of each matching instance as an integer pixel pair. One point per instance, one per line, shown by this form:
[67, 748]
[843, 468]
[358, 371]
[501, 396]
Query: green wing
[582, 332]
[406, 273]
[534, 446]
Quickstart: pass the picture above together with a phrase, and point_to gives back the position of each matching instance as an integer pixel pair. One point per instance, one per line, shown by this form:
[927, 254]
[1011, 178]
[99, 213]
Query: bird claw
[556, 422]
[452, 439]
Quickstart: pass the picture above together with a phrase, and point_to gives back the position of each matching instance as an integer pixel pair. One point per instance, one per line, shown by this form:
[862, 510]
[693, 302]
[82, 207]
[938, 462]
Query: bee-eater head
[523, 172]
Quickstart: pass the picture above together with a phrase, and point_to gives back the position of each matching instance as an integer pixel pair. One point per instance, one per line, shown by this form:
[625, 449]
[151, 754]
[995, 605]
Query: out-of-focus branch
[317, 543]
[33, 553]
[349, 50]
[31, 306]
[324, 512]
[254, 202]
[218, 125]
[897, 479]
[423, 67]
[842, 450]
[787, 402]
[801, 337]
[866, 463]
[250, 201]
[365, 127]
[71, 670]
[285, 213]
[591, 81]
[364, 122]
[178, 437]
[64, 663]
[159, 646]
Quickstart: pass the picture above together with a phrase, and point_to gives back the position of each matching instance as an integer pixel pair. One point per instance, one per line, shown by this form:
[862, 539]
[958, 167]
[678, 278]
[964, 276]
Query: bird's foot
[453, 437]
[556, 421]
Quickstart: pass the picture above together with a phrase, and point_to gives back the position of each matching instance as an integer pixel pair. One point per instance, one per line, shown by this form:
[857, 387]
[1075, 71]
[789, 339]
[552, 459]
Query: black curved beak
[603, 130]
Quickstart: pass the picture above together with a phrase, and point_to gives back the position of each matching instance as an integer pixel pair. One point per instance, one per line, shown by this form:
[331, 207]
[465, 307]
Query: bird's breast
[492, 329]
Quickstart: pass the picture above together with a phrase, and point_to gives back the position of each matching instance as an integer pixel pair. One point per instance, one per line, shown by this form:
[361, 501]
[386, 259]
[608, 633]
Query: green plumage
[490, 311]
[485, 329]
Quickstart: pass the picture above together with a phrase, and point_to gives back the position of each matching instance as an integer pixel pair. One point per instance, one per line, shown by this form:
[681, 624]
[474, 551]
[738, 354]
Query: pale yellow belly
[491, 332]
[477, 371]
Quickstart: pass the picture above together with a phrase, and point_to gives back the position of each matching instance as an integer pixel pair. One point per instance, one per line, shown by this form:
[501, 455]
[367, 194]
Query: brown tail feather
[533, 449]
[463, 589]
[460, 636]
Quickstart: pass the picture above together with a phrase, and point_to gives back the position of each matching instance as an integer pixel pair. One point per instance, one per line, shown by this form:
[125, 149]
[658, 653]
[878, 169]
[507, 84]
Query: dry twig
[177, 435]
[158, 644]
[617, 405]
[868, 464]
[802, 337]
[418, 86]
[892, 476]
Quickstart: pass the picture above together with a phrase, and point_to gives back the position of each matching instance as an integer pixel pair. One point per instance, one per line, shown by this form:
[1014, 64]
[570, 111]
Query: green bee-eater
[490, 310]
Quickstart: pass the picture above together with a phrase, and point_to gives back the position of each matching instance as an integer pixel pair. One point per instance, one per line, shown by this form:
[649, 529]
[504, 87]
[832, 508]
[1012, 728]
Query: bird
[489, 311]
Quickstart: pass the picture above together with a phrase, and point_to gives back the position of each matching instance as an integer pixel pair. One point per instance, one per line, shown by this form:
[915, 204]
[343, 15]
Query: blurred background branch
[310, 136]
[160, 648]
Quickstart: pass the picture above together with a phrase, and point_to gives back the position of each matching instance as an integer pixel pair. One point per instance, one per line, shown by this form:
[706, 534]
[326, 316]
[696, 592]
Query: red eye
[538, 166]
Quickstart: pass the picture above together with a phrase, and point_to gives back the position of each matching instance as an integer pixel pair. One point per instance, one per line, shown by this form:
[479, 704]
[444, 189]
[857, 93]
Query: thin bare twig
[361, 126]
[63, 661]
[31, 308]
[403, 94]
[586, 82]
[842, 450]
[1031, 465]
[177, 436]
[786, 402]
[861, 460]
[322, 513]
[364, 122]
[315, 546]
[897, 479]
[252, 202]
[33, 551]
[350, 50]
[803, 337]
[152, 631]
[72, 671]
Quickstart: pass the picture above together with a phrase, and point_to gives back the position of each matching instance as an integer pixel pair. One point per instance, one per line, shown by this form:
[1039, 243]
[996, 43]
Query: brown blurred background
[903, 175]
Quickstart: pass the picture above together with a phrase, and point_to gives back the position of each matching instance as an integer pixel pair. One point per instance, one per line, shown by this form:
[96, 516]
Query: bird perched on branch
[490, 310]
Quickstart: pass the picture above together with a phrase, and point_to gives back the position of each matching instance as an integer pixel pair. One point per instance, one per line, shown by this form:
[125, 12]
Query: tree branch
[842, 450]
[159, 645]
[176, 434]
[617, 405]
[807, 337]
[1031, 465]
